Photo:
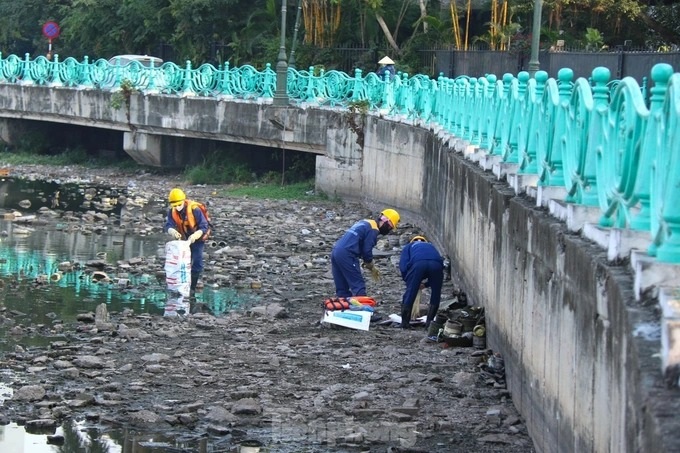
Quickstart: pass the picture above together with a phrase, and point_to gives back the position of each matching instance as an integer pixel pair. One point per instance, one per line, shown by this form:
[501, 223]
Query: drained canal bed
[62, 253]
[265, 375]
[66, 248]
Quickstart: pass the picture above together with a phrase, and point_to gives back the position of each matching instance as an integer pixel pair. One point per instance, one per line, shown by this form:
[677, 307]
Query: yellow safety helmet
[392, 215]
[176, 197]
[418, 238]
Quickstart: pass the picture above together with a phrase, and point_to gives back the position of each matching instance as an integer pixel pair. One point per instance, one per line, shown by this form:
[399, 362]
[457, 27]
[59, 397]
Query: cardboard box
[359, 320]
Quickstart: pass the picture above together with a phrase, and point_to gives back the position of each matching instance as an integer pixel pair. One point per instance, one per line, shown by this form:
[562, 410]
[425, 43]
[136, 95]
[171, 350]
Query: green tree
[104, 28]
[247, 31]
[395, 12]
[593, 39]
[21, 25]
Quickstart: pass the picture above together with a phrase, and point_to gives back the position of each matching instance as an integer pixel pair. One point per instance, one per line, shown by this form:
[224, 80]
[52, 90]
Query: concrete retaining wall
[563, 318]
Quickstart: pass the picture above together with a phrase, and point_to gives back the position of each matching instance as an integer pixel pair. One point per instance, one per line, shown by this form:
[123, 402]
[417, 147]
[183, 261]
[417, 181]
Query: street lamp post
[534, 64]
[291, 60]
[281, 94]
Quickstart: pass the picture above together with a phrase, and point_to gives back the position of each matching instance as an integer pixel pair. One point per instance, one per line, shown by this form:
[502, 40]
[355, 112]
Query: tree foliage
[248, 31]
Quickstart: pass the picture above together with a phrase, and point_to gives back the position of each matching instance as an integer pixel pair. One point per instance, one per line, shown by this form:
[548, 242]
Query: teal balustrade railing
[608, 143]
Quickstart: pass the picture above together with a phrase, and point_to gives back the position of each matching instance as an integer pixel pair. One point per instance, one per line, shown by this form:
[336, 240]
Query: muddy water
[80, 436]
[46, 278]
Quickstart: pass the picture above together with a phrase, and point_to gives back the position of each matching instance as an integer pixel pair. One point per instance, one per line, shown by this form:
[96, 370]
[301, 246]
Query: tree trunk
[423, 13]
[386, 32]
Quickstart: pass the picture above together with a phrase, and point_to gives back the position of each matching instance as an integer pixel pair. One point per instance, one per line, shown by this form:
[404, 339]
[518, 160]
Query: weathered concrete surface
[564, 317]
[160, 120]
[386, 166]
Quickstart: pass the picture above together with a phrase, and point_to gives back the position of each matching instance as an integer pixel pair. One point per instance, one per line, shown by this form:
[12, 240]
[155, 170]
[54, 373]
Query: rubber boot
[431, 313]
[194, 281]
[405, 318]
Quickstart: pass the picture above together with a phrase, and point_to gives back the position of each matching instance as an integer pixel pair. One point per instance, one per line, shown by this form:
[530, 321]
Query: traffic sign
[50, 30]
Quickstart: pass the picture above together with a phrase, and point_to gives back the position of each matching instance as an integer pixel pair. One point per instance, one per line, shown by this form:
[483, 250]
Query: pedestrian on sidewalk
[186, 221]
[421, 266]
[357, 243]
[386, 67]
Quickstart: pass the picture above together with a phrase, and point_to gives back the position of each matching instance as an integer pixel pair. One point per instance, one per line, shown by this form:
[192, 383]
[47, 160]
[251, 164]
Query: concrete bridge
[584, 316]
[152, 136]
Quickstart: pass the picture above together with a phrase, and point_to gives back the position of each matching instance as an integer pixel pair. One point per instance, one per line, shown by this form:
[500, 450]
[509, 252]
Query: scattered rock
[269, 368]
[29, 393]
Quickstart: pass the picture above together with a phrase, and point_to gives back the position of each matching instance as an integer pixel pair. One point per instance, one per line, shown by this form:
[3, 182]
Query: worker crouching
[421, 266]
[357, 243]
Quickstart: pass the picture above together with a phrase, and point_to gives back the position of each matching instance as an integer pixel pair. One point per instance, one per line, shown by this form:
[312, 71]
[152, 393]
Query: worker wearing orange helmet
[421, 266]
[186, 221]
[357, 243]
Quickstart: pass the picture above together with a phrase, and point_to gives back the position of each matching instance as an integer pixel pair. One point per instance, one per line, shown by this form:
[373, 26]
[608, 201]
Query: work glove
[174, 233]
[375, 273]
[195, 236]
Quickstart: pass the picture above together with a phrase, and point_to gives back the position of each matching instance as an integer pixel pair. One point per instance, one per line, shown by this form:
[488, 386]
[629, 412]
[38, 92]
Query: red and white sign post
[51, 31]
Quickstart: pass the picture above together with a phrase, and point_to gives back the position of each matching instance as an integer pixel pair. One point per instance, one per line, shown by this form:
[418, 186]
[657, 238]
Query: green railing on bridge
[606, 142]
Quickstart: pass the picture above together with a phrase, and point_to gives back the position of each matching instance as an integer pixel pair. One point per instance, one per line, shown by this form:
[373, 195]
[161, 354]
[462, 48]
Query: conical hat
[386, 60]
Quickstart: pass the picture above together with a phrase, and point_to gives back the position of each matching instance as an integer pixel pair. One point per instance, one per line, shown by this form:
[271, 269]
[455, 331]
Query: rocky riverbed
[268, 372]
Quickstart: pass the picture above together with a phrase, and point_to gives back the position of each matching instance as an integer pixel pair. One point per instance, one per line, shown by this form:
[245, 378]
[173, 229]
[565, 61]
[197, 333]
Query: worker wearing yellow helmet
[357, 243]
[421, 266]
[186, 220]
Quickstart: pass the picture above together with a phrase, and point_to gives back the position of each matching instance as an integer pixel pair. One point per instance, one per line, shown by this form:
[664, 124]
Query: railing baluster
[26, 73]
[666, 176]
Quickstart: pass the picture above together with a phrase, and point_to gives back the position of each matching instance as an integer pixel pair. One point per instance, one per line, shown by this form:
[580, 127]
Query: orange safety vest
[188, 225]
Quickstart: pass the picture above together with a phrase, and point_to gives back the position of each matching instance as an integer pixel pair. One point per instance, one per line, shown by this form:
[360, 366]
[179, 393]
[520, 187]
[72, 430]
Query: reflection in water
[49, 274]
[53, 272]
[51, 266]
[176, 305]
[77, 436]
[27, 195]
[60, 273]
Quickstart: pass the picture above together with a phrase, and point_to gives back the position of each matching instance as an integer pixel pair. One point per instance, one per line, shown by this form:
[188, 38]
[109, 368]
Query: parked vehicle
[145, 60]
[138, 70]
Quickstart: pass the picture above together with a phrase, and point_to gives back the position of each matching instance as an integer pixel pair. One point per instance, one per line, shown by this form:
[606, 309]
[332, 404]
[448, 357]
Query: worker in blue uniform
[357, 243]
[421, 266]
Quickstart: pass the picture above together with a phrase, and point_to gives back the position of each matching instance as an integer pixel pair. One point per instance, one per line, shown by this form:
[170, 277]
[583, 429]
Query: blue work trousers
[347, 274]
[433, 271]
[197, 256]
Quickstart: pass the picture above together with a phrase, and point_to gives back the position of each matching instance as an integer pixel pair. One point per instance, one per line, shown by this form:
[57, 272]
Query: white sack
[178, 267]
